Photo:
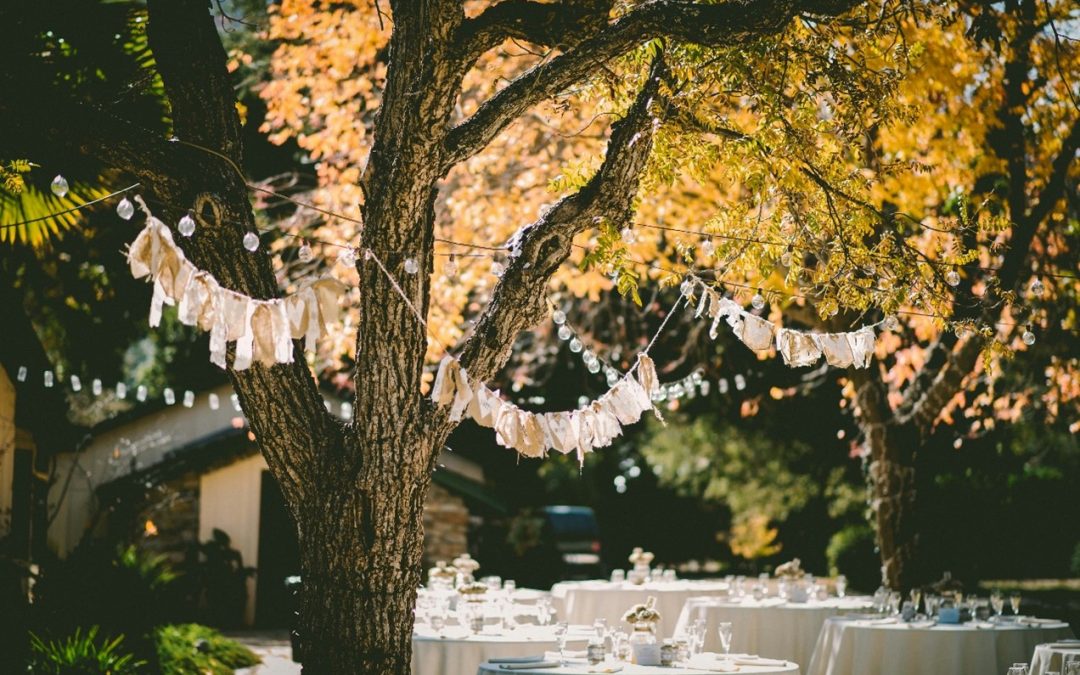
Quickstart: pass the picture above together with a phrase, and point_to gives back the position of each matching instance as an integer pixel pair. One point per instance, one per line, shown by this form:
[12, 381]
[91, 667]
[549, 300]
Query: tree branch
[727, 23]
[549, 24]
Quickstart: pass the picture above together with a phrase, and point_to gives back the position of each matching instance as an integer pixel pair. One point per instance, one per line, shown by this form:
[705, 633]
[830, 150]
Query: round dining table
[773, 626]
[702, 664]
[892, 647]
[456, 651]
[1052, 656]
[586, 601]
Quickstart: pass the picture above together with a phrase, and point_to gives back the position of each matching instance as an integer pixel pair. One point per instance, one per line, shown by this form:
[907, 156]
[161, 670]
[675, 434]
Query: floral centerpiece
[790, 570]
[442, 576]
[465, 565]
[793, 586]
[640, 559]
[643, 617]
[472, 592]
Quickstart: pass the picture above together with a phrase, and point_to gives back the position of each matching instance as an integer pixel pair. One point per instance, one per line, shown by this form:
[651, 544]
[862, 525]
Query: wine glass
[916, 596]
[560, 640]
[894, 602]
[437, 620]
[932, 602]
[543, 611]
[725, 630]
[841, 586]
[997, 601]
[1014, 603]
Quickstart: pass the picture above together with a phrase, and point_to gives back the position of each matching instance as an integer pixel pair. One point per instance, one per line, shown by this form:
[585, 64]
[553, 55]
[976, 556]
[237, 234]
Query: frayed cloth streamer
[580, 431]
[263, 330]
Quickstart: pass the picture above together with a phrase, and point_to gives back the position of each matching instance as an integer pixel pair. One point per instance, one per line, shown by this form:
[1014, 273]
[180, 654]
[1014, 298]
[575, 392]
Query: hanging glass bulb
[758, 301]
[170, 396]
[785, 257]
[140, 393]
[697, 377]
[686, 288]
[125, 209]
[891, 322]
[1028, 337]
[565, 333]
[612, 378]
[59, 186]
[49, 379]
[214, 401]
[186, 226]
[251, 241]
[708, 248]
[627, 235]
[235, 400]
[952, 277]
[346, 410]
[121, 390]
[450, 269]
[575, 345]
[588, 356]
[593, 367]
[76, 383]
[347, 257]
[1037, 287]
[497, 268]
[23, 372]
[305, 254]
[870, 269]
[189, 398]
[95, 387]
[411, 266]
[675, 391]
[559, 317]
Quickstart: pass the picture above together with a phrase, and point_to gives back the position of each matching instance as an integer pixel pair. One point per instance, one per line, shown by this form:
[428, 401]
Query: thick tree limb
[519, 300]
[726, 23]
[547, 24]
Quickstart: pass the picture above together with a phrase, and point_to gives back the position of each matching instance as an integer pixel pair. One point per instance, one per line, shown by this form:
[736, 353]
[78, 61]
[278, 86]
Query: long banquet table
[772, 626]
[892, 647]
[703, 664]
[585, 601]
[455, 651]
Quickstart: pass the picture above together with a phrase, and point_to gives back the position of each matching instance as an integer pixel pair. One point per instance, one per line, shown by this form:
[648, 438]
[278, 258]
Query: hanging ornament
[59, 186]
[952, 277]
[891, 322]
[612, 378]
[708, 248]
[76, 383]
[189, 398]
[347, 257]
[140, 393]
[305, 254]
[686, 288]
[125, 209]
[593, 366]
[450, 269]
[576, 346]
[627, 235]
[411, 266]
[697, 377]
[785, 257]
[121, 390]
[186, 226]
[565, 333]
[251, 241]
[1037, 287]
[559, 317]
[758, 301]
[588, 356]
[95, 387]
[170, 396]
[497, 268]
[1028, 337]
[49, 379]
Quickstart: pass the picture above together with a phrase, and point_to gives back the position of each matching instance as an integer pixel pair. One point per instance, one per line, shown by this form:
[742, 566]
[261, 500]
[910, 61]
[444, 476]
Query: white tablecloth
[459, 652]
[586, 601]
[629, 669]
[1053, 656]
[770, 627]
[847, 647]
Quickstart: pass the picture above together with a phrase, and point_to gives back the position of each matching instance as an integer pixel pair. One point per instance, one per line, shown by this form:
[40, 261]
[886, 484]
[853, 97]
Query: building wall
[229, 500]
[7, 448]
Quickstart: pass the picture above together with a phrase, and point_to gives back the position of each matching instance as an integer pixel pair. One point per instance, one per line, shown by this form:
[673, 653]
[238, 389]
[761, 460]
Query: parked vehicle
[572, 537]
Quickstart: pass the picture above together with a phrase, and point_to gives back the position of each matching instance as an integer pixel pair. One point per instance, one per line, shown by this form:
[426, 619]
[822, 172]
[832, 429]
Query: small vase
[644, 649]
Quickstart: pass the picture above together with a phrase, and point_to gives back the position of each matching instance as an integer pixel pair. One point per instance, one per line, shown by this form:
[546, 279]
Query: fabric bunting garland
[796, 347]
[531, 434]
[263, 330]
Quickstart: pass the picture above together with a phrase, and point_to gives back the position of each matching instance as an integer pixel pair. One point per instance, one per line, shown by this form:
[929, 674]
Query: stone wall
[446, 523]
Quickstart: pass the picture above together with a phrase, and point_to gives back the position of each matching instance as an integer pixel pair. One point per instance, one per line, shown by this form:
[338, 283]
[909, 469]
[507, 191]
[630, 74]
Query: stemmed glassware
[841, 586]
[894, 602]
[437, 619]
[725, 630]
[1014, 603]
[561, 629]
[997, 602]
[1019, 669]
[916, 597]
[932, 603]
[543, 611]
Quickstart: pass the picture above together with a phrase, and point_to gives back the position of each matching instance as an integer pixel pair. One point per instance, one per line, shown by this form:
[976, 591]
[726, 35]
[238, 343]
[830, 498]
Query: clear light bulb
[612, 378]
[1028, 337]
[497, 268]
[125, 209]
[251, 241]
[593, 366]
[891, 322]
[411, 266]
[565, 333]
[952, 277]
[186, 226]
[708, 248]
[170, 396]
[59, 186]
[214, 401]
[575, 345]
[1037, 287]
[305, 254]
[189, 398]
[627, 235]
[140, 393]
[49, 379]
[588, 355]
[450, 269]
[758, 301]
[96, 387]
[347, 257]
[23, 372]
[76, 383]
[686, 288]
[785, 257]
[559, 317]
[121, 390]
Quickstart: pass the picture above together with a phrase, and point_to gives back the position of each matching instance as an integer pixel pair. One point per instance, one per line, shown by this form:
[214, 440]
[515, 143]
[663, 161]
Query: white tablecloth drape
[1053, 656]
[628, 669]
[586, 601]
[847, 647]
[771, 627]
[458, 652]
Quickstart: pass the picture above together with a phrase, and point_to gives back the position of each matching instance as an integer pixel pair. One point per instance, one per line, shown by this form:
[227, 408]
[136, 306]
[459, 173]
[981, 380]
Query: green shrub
[851, 552]
[194, 648]
[80, 654]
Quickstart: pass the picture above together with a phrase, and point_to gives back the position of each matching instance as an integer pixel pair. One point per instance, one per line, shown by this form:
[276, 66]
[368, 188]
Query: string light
[708, 248]
[125, 209]
[575, 345]
[186, 226]
[450, 269]
[170, 396]
[1028, 337]
[48, 379]
[189, 398]
[686, 288]
[140, 393]
[59, 186]
[785, 257]
[411, 266]
[498, 269]
[95, 387]
[758, 301]
[1037, 287]
[21, 375]
[214, 401]
[952, 277]
[347, 257]
[305, 254]
[121, 390]
[627, 235]
[251, 241]
[76, 383]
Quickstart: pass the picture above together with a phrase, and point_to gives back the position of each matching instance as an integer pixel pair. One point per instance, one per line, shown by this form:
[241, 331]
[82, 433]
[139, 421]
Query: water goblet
[894, 602]
[618, 576]
[916, 596]
[509, 586]
[1014, 603]
[841, 586]
[725, 630]
[997, 601]
[560, 640]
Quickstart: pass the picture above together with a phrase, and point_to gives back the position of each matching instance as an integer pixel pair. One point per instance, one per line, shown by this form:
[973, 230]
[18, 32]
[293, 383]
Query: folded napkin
[1033, 621]
[922, 624]
[881, 622]
[529, 666]
[719, 667]
[758, 661]
[516, 659]
[604, 669]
